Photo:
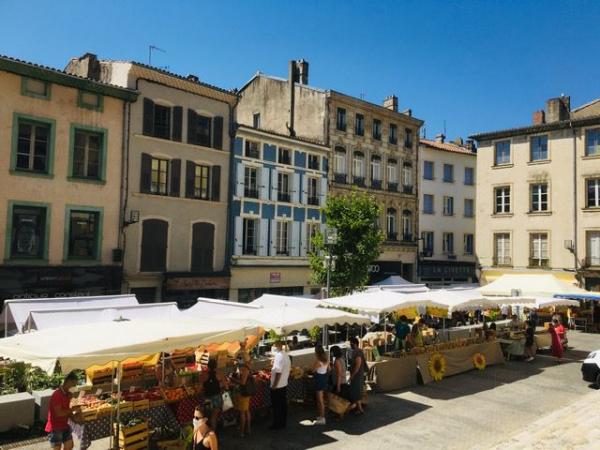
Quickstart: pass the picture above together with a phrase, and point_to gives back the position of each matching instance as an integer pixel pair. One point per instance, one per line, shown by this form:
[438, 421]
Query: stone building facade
[62, 157]
[538, 196]
[176, 177]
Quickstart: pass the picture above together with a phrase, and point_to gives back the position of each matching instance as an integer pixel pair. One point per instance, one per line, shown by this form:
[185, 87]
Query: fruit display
[173, 395]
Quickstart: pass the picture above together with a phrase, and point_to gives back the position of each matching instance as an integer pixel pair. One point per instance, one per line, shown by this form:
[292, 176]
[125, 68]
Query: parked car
[590, 369]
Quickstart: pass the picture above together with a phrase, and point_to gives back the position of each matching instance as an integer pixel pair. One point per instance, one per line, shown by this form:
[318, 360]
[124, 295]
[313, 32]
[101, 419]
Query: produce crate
[141, 405]
[155, 403]
[133, 438]
[125, 407]
[103, 410]
[89, 414]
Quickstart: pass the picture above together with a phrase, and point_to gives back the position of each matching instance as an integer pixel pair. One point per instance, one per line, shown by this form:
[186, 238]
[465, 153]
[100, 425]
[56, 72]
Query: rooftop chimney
[440, 137]
[470, 144]
[458, 141]
[302, 68]
[86, 66]
[558, 109]
[193, 78]
[391, 102]
[539, 117]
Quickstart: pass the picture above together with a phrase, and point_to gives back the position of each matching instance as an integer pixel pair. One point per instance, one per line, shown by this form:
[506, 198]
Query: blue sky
[477, 65]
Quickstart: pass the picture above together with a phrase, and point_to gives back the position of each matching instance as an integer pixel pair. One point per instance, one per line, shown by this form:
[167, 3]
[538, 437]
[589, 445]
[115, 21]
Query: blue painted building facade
[279, 185]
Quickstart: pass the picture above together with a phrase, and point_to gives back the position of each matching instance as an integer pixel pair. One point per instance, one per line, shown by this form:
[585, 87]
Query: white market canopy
[393, 280]
[270, 300]
[81, 346]
[540, 285]
[379, 302]
[286, 319]
[54, 318]
[15, 312]
[459, 300]
[545, 302]
[208, 307]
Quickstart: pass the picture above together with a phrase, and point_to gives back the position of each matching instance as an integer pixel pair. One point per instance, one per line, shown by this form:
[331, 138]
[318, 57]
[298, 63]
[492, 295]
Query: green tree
[358, 242]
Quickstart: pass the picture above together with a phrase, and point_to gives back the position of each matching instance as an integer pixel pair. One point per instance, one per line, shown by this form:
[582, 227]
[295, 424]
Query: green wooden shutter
[146, 173]
[190, 174]
[218, 132]
[148, 120]
[177, 123]
[175, 177]
[191, 134]
[215, 179]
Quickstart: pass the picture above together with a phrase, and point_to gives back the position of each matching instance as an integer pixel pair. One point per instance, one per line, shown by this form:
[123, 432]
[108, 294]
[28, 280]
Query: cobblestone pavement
[517, 405]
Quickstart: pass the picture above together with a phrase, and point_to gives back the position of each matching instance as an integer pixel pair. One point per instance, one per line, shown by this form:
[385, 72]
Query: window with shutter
[177, 123]
[162, 121]
[148, 120]
[218, 132]
[215, 183]
[593, 248]
[175, 177]
[146, 174]
[202, 247]
[153, 256]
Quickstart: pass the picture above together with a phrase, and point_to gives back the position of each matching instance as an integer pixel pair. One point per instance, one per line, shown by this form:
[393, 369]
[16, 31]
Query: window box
[393, 187]
[359, 181]
[376, 184]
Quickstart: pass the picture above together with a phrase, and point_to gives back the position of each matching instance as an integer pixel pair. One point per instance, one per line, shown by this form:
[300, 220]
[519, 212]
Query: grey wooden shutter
[148, 121]
[177, 123]
[146, 173]
[175, 177]
[215, 179]
[191, 134]
[218, 132]
[190, 174]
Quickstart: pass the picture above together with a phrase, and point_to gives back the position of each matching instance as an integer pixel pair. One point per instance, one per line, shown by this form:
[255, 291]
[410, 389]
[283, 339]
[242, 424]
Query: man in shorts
[59, 412]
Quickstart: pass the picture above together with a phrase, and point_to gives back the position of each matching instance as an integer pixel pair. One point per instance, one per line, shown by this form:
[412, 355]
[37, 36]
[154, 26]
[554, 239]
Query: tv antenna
[362, 95]
[152, 48]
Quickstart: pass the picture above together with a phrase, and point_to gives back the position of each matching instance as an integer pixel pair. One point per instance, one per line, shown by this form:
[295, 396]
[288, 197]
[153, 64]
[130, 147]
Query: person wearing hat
[280, 373]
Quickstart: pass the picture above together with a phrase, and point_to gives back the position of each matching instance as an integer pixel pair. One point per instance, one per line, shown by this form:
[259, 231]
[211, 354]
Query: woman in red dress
[557, 348]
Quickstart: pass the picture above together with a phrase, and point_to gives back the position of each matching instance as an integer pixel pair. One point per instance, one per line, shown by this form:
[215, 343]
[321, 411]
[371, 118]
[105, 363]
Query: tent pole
[112, 385]
[119, 373]
[385, 321]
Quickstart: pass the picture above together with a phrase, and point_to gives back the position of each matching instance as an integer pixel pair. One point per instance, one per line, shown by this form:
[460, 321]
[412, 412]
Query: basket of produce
[133, 435]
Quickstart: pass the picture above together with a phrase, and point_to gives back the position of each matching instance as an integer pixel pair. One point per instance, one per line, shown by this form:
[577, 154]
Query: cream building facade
[446, 212]
[538, 196]
[176, 179]
[372, 148]
[62, 156]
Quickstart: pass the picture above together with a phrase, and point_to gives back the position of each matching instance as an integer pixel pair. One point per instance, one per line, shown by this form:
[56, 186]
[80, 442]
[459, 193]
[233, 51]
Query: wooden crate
[155, 403]
[89, 414]
[133, 438]
[141, 405]
[103, 410]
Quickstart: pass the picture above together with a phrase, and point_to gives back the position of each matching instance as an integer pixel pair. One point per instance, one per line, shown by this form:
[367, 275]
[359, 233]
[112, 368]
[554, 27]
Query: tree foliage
[358, 242]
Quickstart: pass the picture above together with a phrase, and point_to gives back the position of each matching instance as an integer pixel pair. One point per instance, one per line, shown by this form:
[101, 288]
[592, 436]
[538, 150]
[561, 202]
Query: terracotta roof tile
[447, 147]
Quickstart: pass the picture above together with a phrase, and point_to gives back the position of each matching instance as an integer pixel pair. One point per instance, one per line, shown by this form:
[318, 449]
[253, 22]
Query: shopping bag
[338, 404]
[227, 401]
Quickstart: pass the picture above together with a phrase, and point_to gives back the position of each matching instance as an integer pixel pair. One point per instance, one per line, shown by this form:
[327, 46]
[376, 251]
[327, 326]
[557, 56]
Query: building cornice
[282, 137]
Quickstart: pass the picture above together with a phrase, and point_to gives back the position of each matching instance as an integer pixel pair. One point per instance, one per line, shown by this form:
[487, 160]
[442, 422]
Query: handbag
[227, 401]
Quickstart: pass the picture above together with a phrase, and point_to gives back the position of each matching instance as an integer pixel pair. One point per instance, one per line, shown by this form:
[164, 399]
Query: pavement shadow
[381, 411]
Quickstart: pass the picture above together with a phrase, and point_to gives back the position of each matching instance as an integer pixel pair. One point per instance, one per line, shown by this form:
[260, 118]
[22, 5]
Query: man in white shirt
[279, 381]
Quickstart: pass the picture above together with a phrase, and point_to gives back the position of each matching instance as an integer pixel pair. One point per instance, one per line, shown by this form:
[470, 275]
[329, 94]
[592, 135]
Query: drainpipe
[124, 185]
[575, 233]
[230, 188]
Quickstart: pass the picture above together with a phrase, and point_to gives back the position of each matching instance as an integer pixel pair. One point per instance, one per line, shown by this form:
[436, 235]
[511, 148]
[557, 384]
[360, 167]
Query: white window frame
[282, 236]
[538, 204]
[596, 186]
[358, 165]
[392, 172]
[448, 238]
[502, 201]
[339, 160]
[448, 205]
[592, 241]
[502, 249]
[375, 168]
[539, 251]
[407, 175]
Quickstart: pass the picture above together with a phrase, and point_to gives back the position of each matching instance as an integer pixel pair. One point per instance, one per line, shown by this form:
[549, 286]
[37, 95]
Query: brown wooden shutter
[177, 123]
[148, 126]
[175, 177]
[215, 179]
[190, 174]
[146, 173]
[218, 132]
[191, 134]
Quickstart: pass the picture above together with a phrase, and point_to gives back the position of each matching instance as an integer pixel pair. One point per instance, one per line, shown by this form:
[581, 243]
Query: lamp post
[330, 241]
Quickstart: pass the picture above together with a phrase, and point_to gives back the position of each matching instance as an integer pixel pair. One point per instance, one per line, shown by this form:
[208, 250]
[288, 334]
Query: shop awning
[533, 285]
[589, 296]
[545, 302]
[81, 346]
[270, 300]
[54, 318]
[15, 312]
[209, 307]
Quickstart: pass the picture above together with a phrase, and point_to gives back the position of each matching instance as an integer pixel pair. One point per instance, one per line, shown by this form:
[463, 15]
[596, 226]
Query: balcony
[451, 256]
[407, 237]
[393, 140]
[359, 181]
[313, 200]
[539, 262]
[392, 236]
[393, 187]
[250, 192]
[427, 253]
[283, 252]
[252, 153]
[406, 189]
[339, 178]
[313, 164]
[376, 184]
[502, 261]
[283, 197]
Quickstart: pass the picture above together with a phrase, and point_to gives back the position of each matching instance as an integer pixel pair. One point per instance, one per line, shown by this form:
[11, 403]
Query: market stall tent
[81, 346]
[541, 285]
[545, 302]
[270, 300]
[15, 312]
[286, 319]
[209, 307]
[54, 318]
[393, 280]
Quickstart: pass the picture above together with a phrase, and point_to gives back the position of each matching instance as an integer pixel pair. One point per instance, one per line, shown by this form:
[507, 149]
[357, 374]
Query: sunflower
[437, 366]
[479, 361]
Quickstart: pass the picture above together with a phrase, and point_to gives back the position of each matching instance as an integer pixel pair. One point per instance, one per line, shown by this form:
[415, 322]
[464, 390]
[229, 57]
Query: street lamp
[330, 240]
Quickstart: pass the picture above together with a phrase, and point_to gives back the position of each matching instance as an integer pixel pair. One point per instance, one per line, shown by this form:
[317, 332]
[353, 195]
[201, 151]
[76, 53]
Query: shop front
[440, 273]
[249, 283]
[380, 270]
[59, 281]
[185, 287]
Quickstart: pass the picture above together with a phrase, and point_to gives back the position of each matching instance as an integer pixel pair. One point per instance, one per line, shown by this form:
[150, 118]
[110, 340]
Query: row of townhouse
[538, 192]
[121, 177]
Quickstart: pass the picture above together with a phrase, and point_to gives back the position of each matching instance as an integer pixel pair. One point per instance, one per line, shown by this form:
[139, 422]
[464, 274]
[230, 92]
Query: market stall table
[86, 432]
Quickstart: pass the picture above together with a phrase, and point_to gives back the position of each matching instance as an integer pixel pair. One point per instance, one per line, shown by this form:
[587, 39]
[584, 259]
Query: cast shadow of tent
[475, 381]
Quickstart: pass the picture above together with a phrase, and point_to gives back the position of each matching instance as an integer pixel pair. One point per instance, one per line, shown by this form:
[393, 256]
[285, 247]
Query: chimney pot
[440, 137]
[391, 102]
[539, 117]
[558, 109]
[193, 78]
[458, 141]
